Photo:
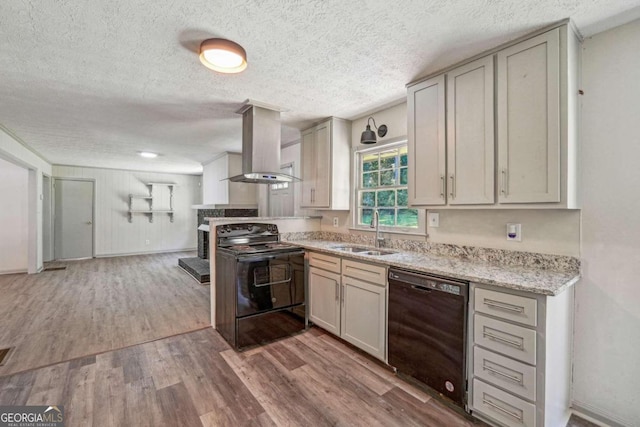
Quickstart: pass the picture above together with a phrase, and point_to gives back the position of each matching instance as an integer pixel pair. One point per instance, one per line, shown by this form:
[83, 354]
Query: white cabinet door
[322, 145]
[529, 120]
[308, 168]
[427, 148]
[324, 299]
[364, 316]
[470, 134]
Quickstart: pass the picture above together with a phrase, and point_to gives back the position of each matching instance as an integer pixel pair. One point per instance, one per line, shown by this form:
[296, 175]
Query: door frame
[51, 216]
[93, 214]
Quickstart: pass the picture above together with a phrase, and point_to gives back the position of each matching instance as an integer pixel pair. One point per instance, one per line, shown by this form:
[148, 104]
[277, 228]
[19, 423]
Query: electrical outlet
[514, 232]
[146, 242]
[336, 222]
[433, 219]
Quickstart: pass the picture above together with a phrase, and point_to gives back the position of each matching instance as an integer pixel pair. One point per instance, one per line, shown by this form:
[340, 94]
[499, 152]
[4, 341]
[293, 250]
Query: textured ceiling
[91, 82]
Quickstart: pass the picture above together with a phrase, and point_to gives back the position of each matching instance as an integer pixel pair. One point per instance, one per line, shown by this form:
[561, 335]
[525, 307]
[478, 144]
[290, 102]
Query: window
[382, 184]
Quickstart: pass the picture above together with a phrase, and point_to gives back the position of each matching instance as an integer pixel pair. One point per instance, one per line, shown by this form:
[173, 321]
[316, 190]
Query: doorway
[281, 195]
[74, 218]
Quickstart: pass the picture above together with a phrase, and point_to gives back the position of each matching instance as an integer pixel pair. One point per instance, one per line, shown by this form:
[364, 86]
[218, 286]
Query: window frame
[357, 177]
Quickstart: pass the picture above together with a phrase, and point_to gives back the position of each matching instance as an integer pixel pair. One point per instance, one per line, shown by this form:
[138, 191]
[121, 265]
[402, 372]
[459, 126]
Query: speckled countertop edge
[538, 281]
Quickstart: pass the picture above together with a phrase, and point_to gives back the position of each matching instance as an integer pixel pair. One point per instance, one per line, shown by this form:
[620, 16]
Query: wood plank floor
[97, 305]
[196, 379]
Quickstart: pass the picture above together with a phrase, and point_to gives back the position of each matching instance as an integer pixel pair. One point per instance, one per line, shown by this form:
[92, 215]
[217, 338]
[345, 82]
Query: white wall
[607, 329]
[14, 231]
[217, 190]
[17, 153]
[115, 235]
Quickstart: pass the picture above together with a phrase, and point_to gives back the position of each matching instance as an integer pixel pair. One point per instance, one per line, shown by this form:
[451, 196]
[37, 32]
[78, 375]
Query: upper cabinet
[529, 120]
[451, 156]
[427, 143]
[326, 160]
[517, 140]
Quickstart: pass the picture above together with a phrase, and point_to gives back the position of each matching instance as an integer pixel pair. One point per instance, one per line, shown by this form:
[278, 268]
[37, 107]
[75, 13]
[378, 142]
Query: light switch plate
[433, 219]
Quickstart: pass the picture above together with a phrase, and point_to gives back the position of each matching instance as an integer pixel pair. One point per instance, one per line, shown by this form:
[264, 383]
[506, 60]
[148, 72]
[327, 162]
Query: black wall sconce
[369, 136]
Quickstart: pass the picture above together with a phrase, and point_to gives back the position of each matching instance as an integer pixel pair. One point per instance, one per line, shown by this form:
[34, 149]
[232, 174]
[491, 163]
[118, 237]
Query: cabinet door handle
[452, 190]
[337, 292]
[513, 378]
[503, 306]
[442, 186]
[511, 343]
[501, 409]
[342, 297]
[504, 181]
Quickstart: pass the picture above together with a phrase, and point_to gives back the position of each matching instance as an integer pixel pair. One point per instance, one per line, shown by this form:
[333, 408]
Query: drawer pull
[516, 344]
[503, 306]
[501, 409]
[503, 375]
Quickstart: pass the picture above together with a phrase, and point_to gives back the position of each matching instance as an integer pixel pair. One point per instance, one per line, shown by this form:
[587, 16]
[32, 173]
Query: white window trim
[421, 230]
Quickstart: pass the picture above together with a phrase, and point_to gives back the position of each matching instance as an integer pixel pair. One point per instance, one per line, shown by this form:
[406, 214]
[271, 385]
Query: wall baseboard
[13, 271]
[596, 416]
[146, 253]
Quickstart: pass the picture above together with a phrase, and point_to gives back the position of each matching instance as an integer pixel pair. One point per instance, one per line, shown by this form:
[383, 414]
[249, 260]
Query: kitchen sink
[362, 251]
[354, 249]
[377, 253]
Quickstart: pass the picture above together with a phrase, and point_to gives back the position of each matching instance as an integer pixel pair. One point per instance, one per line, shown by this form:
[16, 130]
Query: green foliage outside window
[383, 185]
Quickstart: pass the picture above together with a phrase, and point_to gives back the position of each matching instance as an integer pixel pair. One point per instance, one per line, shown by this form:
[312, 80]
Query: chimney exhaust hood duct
[261, 146]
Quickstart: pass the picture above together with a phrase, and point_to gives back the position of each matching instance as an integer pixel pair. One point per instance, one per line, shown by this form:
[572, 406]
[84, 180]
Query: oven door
[267, 282]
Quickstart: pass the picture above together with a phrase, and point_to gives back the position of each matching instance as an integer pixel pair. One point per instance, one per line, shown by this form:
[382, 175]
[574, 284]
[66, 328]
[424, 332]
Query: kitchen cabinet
[427, 144]
[349, 298]
[529, 120]
[451, 156]
[324, 283]
[527, 153]
[520, 356]
[326, 160]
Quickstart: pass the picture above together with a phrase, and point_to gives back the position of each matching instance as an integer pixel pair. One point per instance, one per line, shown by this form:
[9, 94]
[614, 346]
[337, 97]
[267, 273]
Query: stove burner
[241, 248]
[277, 245]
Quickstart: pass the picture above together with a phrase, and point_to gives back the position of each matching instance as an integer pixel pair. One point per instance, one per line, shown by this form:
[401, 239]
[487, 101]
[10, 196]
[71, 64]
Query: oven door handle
[279, 282]
[263, 257]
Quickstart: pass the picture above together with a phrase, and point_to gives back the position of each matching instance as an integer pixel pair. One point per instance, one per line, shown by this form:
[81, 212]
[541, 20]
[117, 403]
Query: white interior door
[281, 195]
[73, 219]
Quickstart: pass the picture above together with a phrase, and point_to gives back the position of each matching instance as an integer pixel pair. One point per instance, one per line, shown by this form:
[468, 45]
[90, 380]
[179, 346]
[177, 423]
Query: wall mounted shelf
[149, 198]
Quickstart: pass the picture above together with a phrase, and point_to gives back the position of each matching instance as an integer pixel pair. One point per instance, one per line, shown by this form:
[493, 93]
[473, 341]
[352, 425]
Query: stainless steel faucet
[375, 223]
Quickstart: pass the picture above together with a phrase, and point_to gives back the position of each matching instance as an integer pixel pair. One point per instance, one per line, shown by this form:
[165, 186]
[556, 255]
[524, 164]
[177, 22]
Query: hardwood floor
[196, 379]
[96, 305]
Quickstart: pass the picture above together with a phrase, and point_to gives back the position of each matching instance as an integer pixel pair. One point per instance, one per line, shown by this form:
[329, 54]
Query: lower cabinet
[519, 356]
[349, 299]
[324, 299]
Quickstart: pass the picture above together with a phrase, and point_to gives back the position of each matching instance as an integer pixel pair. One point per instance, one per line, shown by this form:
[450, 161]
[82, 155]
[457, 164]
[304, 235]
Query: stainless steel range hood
[261, 146]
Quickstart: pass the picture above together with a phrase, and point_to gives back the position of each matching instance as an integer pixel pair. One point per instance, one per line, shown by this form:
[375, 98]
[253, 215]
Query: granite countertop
[258, 218]
[528, 279]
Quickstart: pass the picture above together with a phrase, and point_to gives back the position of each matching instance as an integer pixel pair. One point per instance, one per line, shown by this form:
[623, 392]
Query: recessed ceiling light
[148, 154]
[223, 56]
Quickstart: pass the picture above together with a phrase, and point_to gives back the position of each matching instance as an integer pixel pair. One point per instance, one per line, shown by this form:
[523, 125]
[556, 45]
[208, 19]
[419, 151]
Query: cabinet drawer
[325, 262]
[502, 407]
[506, 373]
[511, 307]
[510, 340]
[370, 273]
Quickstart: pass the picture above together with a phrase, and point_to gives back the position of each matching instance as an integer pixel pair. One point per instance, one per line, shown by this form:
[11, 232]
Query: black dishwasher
[427, 330]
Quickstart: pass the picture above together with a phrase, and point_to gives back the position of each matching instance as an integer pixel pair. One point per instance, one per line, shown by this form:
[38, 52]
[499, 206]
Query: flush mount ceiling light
[147, 154]
[223, 56]
[369, 136]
